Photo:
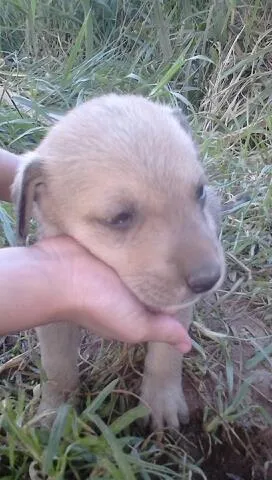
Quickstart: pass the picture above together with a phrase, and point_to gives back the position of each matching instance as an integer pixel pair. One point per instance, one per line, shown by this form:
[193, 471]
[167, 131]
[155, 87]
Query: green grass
[213, 58]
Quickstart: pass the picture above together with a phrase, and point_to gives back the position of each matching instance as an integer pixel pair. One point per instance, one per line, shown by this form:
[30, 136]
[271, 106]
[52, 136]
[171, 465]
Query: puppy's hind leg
[59, 345]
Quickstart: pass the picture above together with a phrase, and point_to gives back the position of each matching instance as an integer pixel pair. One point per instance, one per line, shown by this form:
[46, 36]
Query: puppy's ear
[182, 119]
[24, 192]
[213, 204]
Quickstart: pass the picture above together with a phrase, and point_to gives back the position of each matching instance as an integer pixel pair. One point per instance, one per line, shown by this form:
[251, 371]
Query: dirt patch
[232, 451]
[245, 455]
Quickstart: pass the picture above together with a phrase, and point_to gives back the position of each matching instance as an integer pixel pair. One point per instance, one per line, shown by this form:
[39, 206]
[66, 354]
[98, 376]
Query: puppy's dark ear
[182, 119]
[24, 191]
[213, 204]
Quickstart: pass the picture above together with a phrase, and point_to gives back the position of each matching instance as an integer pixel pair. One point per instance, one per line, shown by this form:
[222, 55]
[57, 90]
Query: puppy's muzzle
[203, 279]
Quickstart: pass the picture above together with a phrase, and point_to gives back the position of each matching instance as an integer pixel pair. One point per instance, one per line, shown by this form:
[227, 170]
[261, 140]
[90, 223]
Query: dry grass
[214, 59]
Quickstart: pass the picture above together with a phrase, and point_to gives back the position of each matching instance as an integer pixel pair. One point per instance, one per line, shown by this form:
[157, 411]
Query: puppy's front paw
[166, 399]
[52, 399]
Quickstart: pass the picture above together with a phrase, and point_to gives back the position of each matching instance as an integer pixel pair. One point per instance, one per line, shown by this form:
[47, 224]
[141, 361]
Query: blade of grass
[99, 400]
[119, 456]
[56, 433]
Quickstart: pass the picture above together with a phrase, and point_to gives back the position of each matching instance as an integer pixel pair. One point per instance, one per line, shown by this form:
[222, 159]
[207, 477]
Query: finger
[168, 330]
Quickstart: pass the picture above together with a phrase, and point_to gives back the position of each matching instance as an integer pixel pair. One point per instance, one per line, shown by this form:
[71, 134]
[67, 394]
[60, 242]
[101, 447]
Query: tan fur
[109, 155]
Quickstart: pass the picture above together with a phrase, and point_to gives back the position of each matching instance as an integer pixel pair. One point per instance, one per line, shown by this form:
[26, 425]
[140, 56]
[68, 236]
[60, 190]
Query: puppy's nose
[204, 279]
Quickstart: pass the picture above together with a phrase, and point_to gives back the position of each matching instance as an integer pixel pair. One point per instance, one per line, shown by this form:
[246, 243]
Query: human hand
[90, 293]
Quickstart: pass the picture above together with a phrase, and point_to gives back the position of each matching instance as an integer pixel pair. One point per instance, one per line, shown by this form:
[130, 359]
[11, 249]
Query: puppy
[121, 175]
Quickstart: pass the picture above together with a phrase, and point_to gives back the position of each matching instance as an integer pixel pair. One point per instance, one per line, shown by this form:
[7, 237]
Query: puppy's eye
[121, 221]
[201, 194]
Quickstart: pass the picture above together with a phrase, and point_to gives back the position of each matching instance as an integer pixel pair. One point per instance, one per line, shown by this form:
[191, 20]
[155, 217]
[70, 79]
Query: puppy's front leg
[59, 345]
[162, 382]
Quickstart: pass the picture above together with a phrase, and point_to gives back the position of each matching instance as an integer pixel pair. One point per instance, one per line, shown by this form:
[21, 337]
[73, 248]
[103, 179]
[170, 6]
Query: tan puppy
[121, 175]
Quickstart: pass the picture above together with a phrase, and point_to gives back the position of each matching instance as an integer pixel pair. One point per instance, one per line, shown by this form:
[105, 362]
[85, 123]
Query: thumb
[168, 330]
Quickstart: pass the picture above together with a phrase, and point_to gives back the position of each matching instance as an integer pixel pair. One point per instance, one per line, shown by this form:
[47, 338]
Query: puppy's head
[121, 175]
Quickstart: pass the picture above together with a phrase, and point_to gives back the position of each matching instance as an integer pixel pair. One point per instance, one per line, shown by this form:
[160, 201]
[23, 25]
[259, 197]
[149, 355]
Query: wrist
[52, 288]
[27, 294]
